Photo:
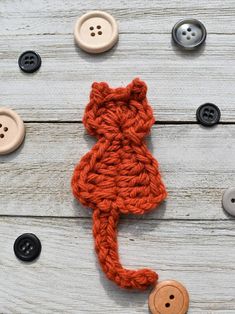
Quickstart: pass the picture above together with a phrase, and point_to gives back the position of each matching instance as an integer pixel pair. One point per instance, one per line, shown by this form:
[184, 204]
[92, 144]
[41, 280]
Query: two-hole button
[169, 297]
[12, 131]
[96, 32]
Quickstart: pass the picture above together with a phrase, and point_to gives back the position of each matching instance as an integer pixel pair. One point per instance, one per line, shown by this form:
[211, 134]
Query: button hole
[26, 58]
[98, 27]
[233, 200]
[92, 34]
[184, 33]
[193, 34]
[5, 129]
[172, 297]
[1, 135]
[188, 37]
[32, 57]
[0, 125]
[91, 28]
[26, 62]
[100, 33]
[189, 29]
[167, 305]
[31, 62]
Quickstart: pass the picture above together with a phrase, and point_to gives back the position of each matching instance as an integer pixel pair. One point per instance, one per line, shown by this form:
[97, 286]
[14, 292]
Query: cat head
[122, 112]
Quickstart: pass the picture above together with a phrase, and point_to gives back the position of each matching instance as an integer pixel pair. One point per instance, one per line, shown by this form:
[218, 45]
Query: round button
[29, 61]
[169, 297]
[228, 201]
[12, 131]
[208, 114]
[189, 34]
[96, 32]
[27, 247]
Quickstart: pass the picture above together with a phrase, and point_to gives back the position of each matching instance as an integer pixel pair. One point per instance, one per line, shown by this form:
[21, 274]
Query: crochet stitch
[119, 175]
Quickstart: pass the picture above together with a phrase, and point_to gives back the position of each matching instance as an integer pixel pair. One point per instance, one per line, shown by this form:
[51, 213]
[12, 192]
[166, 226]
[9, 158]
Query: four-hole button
[12, 131]
[208, 114]
[96, 32]
[228, 201]
[29, 61]
[189, 34]
[27, 247]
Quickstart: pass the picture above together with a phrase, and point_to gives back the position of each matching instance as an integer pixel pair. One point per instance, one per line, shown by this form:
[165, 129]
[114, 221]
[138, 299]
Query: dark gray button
[208, 114]
[228, 201]
[189, 33]
[29, 61]
[27, 247]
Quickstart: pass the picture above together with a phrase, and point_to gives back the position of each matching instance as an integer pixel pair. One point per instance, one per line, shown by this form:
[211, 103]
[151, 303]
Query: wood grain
[197, 165]
[135, 16]
[67, 279]
[189, 237]
[178, 81]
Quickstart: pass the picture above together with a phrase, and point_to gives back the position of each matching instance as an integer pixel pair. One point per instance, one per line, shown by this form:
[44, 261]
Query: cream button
[12, 131]
[228, 201]
[96, 32]
[169, 297]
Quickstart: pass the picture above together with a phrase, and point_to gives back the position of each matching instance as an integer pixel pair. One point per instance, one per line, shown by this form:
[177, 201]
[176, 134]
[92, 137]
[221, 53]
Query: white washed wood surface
[178, 82]
[67, 279]
[197, 165]
[189, 237]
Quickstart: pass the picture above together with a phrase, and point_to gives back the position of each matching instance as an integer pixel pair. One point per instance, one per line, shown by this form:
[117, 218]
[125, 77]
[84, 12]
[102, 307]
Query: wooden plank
[178, 82]
[31, 17]
[197, 165]
[67, 278]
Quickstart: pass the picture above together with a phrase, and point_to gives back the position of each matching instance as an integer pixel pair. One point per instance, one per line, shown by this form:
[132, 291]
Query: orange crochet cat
[119, 175]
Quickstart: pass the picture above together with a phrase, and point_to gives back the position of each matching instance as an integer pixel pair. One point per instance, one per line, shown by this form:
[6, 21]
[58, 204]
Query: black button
[29, 61]
[27, 247]
[208, 114]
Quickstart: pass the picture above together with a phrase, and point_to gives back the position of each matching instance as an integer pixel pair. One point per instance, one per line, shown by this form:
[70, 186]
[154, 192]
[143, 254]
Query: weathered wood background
[188, 238]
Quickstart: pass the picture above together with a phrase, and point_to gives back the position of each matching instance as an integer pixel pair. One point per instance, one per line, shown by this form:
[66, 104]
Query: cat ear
[138, 89]
[91, 119]
[99, 92]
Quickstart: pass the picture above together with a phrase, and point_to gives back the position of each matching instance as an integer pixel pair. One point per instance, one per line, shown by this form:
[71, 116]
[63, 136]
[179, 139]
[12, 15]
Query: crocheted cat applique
[119, 175]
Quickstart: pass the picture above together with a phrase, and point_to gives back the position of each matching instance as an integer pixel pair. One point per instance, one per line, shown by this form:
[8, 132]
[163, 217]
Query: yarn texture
[119, 175]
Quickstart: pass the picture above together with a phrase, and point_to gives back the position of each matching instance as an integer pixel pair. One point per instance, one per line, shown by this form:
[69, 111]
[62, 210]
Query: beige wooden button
[169, 297]
[96, 32]
[12, 131]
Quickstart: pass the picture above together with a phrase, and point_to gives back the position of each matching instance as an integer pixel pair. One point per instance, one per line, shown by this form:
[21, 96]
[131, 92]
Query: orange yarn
[119, 175]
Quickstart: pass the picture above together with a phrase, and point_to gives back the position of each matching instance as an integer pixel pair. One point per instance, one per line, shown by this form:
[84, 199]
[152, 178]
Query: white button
[228, 201]
[96, 32]
[12, 131]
